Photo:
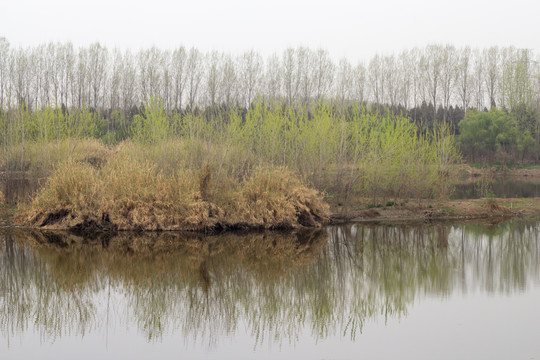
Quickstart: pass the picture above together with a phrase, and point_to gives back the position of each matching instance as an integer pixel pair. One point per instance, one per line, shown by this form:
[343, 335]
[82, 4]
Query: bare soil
[427, 210]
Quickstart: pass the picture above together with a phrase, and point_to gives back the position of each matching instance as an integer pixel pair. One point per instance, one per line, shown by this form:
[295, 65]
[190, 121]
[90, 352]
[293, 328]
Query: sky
[356, 30]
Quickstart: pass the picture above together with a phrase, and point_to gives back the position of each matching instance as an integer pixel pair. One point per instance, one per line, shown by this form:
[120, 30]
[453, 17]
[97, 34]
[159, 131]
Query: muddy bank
[432, 210]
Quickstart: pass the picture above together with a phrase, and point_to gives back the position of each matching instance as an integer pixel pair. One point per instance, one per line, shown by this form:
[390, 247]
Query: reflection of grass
[276, 283]
[133, 256]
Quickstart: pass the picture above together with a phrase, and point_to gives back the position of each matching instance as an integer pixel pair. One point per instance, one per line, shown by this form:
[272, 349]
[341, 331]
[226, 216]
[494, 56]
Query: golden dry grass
[130, 192]
[491, 206]
[2, 198]
[39, 159]
[275, 198]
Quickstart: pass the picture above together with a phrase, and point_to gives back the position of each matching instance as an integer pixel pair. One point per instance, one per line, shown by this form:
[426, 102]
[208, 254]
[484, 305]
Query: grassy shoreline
[476, 210]
[119, 189]
[234, 205]
[126, 195]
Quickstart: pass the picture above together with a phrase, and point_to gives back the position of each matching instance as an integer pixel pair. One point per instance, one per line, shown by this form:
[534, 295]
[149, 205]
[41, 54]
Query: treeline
[101, 93]
[439, 76]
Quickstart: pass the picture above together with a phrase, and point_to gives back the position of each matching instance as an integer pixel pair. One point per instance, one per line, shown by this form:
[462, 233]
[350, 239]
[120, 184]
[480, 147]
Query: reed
[132, 193]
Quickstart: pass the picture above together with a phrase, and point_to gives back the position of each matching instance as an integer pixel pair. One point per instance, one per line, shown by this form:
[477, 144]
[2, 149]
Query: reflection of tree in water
[278, 285]
[170, 280]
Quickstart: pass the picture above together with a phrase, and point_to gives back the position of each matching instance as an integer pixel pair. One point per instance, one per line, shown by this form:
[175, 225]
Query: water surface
[500, 187]
[343, 292]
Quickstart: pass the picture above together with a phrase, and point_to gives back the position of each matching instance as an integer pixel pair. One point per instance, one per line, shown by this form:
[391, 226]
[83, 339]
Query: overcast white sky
[353, 29]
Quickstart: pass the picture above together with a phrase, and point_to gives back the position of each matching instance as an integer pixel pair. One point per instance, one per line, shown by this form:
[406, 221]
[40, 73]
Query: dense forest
[490, 97]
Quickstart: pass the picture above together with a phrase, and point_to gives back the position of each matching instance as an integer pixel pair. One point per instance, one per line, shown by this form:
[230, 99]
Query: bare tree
[391, 80]
[79, 84]
[273, 78]
[150, 73]
[40, 91]
[64, 63]
[115, 79]
[448, 76]
[291, 82]
[491, 61]
[359, 83]
[432, 66]
[344, 82]
[4, 72]
[250, 70]
[20, 76]
[506, 59]
[376, 79]
[194, 69]
[478, 80]
[35, 62]
[324, 74]
[213, 79]
[179, 60]
[166, 79]
[405, 69]
[97, 74]
[229, 83]
[306, 70]
[463, 79]
[130, 95]
[415, 70]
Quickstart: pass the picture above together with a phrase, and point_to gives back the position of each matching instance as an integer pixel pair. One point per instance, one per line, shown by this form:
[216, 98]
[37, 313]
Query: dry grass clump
[492, 207]
[71, 190]
[276, 198]
[136, 195]
[131, 193]
[2, 198]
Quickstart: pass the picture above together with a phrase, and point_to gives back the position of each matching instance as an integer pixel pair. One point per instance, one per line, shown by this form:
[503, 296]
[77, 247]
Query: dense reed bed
[129, 192]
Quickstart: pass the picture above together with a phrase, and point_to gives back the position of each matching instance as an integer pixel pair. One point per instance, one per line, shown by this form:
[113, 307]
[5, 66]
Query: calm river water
[433, 291]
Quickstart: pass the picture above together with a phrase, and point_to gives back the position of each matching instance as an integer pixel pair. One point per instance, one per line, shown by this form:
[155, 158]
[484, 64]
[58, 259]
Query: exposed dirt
[428, 210]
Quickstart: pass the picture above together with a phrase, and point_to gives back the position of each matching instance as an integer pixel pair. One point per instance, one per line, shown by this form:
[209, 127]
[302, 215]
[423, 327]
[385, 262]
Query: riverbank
[142, 199]
[435, 210]
[412, 211]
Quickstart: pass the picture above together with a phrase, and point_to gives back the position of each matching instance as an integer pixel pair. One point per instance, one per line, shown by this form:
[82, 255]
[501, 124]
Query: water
[499, 187]
[343, 292]
[19, 188]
